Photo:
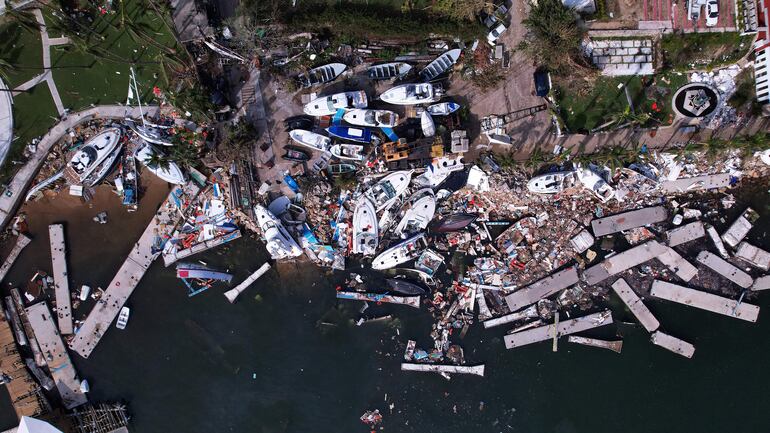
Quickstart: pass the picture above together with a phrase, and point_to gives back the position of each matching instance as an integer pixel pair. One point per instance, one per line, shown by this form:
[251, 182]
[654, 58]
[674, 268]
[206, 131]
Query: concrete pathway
[47, 44]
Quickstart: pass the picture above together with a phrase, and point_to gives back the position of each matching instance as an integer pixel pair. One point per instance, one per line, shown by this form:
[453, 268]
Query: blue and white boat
[361, 135]
[443, 108]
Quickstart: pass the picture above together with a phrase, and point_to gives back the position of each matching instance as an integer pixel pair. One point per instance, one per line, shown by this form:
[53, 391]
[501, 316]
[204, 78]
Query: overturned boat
[279, 243]
[155, 161]
[310, 139]
[418, 212]
[98, 148]
[551, 183]
[407, 250]
[361, 135]
[440, 65]
[328, 105]
[321, 75]
[453, 223]
[411, 94]
[388, 71]
[389, 188]
[443, 108]
[348, 152]
[404, 287]
[371, 118]
[365, 232]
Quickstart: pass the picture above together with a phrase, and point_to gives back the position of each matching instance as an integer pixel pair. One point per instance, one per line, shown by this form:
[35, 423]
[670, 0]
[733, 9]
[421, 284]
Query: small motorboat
[365, 232]
[407, 250]
[594, 183]
[347, 152]
[551, 183]
[443, 108]
[321, 75]
[94, 152]
[440, 65]
[310, 139]
[299, 122]
[361, 135]
[340, 169]
[388, 71]
[453, 223]
[418, 212]
[389, 188]
[439, 170]
[371, 118]
[279, 243]
[328, 105]
[404, 287]
[426, 122]
[411, 94]
[155, 161]
[125, 312]
[295, 154]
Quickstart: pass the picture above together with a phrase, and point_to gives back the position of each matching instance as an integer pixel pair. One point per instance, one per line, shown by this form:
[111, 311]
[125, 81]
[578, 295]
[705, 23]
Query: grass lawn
[583, 113]
[703, 50]
[22, 49]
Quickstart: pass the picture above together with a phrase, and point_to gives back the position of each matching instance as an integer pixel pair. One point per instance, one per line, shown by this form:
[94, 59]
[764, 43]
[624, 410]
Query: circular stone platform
[695, 100]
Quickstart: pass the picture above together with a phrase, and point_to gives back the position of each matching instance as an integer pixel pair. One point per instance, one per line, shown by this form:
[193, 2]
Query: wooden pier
[21, 242]
[673, 344]
[412, 301]
[60, 278]
[635, 304]
[55, 351]
[725, 269]
[566, 327]
[615, 346]
[477, 370]
[130, 273]
[704, 301]
[628, 220]
[542, 288]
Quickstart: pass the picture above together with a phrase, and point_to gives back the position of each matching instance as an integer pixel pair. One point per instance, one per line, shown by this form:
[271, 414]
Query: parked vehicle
[712, 13]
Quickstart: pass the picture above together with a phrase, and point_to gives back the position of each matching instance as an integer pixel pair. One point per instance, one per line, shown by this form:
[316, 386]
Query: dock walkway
[635, 304]
[542, 288]
[704, 301]
[60, 278]
[59, 361]
[725, 269]
[21, 242]
[567, 327]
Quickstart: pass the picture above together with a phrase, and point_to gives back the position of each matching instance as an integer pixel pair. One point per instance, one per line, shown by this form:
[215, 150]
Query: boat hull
[389, 188]
[171, 174]
[360, 135]
[407, 250]
[365, 231]
[443, 108]
[328, 105]
[94, 152]
[310, 139]
[347, 152]
[389, 71]
[410, 94]
[440, 65]
[371, 118]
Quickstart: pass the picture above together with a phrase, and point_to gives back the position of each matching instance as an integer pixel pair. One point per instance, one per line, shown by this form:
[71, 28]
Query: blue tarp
[338, 116]
[291, 183]
[391, 135]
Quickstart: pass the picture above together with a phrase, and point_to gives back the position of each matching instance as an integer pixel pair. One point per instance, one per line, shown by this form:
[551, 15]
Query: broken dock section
[60, 278]
[412, 301]
[704, 301]
[635, 304]
[542, 288]
[567, 327]
[673, 344]
[21, 242]
[615, 346]
[477, 370]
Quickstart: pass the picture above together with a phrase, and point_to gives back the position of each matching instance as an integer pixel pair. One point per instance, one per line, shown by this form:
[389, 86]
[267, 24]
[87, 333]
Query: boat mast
[138, 97]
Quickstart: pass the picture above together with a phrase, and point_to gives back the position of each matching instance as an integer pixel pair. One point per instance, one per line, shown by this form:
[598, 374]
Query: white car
[495, 34]
[712, 13]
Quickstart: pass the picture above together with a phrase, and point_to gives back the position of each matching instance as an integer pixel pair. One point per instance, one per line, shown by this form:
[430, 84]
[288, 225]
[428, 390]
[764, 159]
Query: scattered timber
[614, 346]
[477, 370]
[103, 418]
[566, 327]
[60, 278]
[412, 301]
[542, 288]
[635, 304]
[21, 242]
[704, 301]
[685, 233]
[725, 269]
[673, 344]
[628, 220]
[709, 181]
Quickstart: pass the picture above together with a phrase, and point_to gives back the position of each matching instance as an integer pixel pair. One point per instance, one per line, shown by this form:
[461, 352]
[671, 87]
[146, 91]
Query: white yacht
[418, 212]
[365, 232]
[328, 105]
[389, 188]
[168, 171]
[310, 139]
[348, 152]
[407, 250]
[439, 170]
[371, 118]
[280, 244]
[551, 183]
[94, 152]
[125, 312]
[411, 94]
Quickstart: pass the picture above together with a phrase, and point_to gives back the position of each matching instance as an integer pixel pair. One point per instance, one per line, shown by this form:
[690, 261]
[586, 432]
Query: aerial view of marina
[384, 215]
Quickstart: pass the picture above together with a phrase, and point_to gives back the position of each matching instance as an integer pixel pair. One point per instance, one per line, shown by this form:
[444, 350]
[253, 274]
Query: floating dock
[21, 242]
[60, 278]
[542, 288]
[622, 262]
[685, 233]
[528, 313]
[171, 257]
[754, 256]
[704, 301]
[740, 227]
[59, 361]
[673, 344]
[128, 276]
[412, 301]
[635, 304]
[725, 269]
[677, 264]
[615, 346]
[477, 370]
[566, 327]
[628, 220]
[697, 183]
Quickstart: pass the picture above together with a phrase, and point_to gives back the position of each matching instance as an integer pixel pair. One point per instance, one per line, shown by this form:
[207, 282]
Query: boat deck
[567, 327]
[59, 362]
[704, 301]
[60, 278]
[635, 304]
[477, 370]
[21, 242]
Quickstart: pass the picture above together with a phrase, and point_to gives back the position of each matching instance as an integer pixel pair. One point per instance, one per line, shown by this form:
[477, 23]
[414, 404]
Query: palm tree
[24, 19]
[157, 159]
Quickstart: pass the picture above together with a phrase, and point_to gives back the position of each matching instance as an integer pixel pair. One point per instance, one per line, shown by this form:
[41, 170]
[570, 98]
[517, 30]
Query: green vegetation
[21, 53]
[745, 96]
[703, 50]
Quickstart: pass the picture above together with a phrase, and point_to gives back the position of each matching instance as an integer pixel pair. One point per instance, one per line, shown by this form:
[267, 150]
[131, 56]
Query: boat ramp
[628, 220]
[542, 288]
[412, 301]
[635, 304]
[477, 370]
[21, 242]
[725, 269]
[58, 359]
[704, 301]
[60, 278]
[673, 344]
[614, 346]
[567, 327]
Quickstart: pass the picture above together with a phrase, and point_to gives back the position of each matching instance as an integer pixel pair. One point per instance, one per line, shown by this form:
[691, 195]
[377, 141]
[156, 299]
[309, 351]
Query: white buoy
[84, 387]
[232, 295]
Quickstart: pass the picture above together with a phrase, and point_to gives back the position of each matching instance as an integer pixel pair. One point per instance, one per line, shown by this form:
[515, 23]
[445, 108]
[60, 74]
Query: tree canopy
[553, 37]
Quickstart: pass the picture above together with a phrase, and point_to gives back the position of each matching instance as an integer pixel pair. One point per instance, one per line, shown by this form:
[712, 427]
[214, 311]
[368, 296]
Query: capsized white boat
[125, 312]
[407, 250]
[365, 230]
[443, 108]
[419, 211]
[169, 171]
[348, 152]
[594, 183]
[440, 65]
[371, 118]
[551, 183]
[439, 170]
[387, 190]
[328, 105]
[411, 94]
[428, 127]
[310, 139]
[279, 242]
[94, 151]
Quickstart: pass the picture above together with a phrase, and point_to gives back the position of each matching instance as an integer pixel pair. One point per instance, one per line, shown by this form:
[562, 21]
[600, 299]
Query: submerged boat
[125, 312]
[443, 108]
[404, 287]
[407, 250]
[361, 135]
[340, 169]
[198, 272]
[310, 139]
[349, 152]
[321, 75]
[328, 105]
[440, 65]
[439, 170]
[295, 154]
[94, 152]
[551, 183]
[387, 190]
[428, 127]
[594, 183]
[371, 118]
[279, 243]
[453, 223]
[411, 94]
[365, 232]
[418, 212]
[388, 71]
[166, 170]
